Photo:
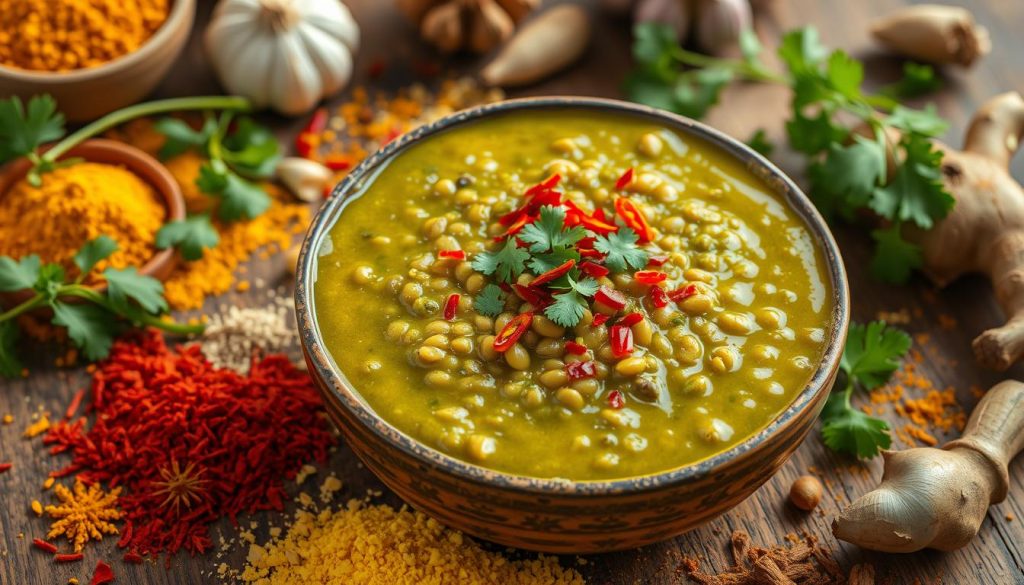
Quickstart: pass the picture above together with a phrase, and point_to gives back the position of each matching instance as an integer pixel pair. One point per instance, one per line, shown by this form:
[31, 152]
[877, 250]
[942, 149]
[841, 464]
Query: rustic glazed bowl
[141, 164]
[86, 94]
[553, 515]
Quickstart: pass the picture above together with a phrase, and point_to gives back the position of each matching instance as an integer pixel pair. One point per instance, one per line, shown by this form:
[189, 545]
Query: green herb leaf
[895, 258]
[850, 431]
[541, 263]
[180, 137]
[916, 192]
[126, 283]
[490, 301]
[238, 198]
[251, 150]
[92, 252]
[812, 135]
[18, 274]
[191, 235]
[926, 122]
[873, 352]
[547, 231]
[847, 177]
[653, 44]
[620, 250]
[801, 51]
[760, 143]
[22, 130]
[918, 79]
[10, 365]
[567, 310]
[51, 279]
[89, 326]
[750, 46]
[507, 263]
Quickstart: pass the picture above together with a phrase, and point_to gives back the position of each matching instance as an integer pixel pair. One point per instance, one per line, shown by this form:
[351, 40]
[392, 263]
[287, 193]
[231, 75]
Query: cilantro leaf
[490, 301]
[238, 197]
[567, 310]
[801, 51]
[845, 180]
[92, 252]
[848, 430]
[18, 274]
[750, 46]
[760, 143]
[873, 353]
[926, 122]
[23, 129]
[251, 150]
[89, 326]
[916, 192]
[845, 74]
[643, 87]
[541, 263]
[50, 280]
[811, 135]
[191, 235]
[546, 232]
[697, 91]
[894, 257]
[180, 137]
[10, 365]
[918, 79]
[620, 250]
[126, 283]
[508, 262]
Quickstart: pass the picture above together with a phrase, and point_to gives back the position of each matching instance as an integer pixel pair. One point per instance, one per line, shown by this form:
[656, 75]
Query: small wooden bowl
[144, 166]
[86, 94]
[552, 515]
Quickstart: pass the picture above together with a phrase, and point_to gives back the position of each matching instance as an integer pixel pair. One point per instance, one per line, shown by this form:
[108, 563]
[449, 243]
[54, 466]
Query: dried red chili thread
[5, 467]
[44, 546]
[244, 434]
[132, 557]
[102, 574]
[76, 401]
[68, 557]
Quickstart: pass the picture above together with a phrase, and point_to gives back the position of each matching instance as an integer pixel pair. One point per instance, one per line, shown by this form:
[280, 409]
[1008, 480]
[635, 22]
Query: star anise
[182, 487]
[83, 513]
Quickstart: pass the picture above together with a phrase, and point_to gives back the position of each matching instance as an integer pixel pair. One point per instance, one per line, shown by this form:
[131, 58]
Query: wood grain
[995, 557]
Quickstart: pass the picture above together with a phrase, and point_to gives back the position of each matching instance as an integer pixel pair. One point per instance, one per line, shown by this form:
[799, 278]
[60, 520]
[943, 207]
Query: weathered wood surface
[995, 557]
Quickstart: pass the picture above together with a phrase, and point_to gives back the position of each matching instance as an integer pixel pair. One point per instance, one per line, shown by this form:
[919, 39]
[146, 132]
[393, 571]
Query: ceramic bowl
[86, 94]
[561, 516]
[114, 153]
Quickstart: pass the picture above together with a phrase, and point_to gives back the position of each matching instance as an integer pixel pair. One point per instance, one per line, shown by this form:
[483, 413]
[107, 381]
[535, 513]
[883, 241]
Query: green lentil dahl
[490, 294]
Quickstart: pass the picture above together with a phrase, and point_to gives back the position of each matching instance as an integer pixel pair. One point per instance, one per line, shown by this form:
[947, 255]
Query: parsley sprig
[871, 355]
[847, 167]
[92, 318]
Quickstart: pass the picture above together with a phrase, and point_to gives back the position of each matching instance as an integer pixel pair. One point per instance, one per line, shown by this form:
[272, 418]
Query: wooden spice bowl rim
[180, 12]
[343, 393]
[144, 166]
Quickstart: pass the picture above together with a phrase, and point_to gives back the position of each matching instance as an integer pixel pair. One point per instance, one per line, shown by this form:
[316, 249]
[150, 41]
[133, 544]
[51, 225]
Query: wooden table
[996, 556]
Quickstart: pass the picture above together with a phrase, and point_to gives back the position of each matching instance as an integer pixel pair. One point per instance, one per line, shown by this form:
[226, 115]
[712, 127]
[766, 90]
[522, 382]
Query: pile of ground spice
[60, 35]
[76, 204]
[237, 335]
[190, 443]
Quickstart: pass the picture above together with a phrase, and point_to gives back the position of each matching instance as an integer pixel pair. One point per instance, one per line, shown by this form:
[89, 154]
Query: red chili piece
[625, 179]
[132, 557]
[545, 185]
[610, 298]
[657, 260]
[515, 228]
[630, 320]
[658, 297]
[576, 216]
[452, 254]
[682, 293]
[634, 218]
[451, 307]
[5, 467]
[511, 332]
[580, 370]
[317, 122]
[621, 340]
[44, 546]
[593, 269]
[536, 197]
[553, 273]
[575, 348]
[68, 558]
[338, 162]
[76, 401]
[305, 144]
[600, 319]
[616, 400]
[649, 276]
[102, 575]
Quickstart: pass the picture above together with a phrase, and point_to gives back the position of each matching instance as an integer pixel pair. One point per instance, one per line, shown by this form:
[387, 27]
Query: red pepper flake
[76, 401]
[575, 348]
[600, 319]
[338, 162]
[535, 296]
[630, 320]
[625, 179]
[317, 122]
[44, 546]
[657, 260]
[512, 331]
[658, 297]
[552, 274]
[5, 467]
[576, 216]
[452, 254]
[634, 218]
[594, 269]
[545, 185]
[649, 276]
[451, 307]
[68, 557]
[580, 370]
[682, 293]
[621, 340]
[610, 298]
[515, 228]
[102, 575]
[132, 557]
[616, 400]
[305, 144]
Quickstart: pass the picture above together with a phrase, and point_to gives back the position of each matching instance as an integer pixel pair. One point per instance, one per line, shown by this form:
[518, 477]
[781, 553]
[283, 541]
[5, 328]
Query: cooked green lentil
[703, 373]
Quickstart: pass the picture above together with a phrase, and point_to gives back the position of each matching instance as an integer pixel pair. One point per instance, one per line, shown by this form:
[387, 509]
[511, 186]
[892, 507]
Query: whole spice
[59, 35]
[478, 25]
[83, 513]
[237, 336]
[546, 44]
[805, 493]
[44, 546]
[933, 33]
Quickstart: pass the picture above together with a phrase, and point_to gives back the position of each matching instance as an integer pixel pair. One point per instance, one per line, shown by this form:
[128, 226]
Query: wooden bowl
[86, 94]
[113, 153]
[552, 515]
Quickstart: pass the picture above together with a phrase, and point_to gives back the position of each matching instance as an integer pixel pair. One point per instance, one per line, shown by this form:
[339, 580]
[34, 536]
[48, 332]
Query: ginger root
[933, 33]
[984, 232]
[473, 25]
[548, 43]
[938, 498]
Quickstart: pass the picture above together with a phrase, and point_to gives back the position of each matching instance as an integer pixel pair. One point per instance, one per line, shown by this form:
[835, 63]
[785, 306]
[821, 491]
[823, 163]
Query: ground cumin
[59, 35]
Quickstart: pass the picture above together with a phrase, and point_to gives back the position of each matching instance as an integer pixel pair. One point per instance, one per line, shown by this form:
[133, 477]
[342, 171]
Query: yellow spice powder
[76, 204]
[373, 545]
[60, 35]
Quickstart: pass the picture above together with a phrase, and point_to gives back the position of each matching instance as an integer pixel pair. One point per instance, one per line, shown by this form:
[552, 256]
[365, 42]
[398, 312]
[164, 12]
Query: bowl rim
[331, 376]
[175, 16]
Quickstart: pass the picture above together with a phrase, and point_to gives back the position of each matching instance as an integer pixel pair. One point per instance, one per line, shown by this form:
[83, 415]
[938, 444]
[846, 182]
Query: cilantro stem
[121, 116]
[25, 307]
[750, 71]
[84, 292]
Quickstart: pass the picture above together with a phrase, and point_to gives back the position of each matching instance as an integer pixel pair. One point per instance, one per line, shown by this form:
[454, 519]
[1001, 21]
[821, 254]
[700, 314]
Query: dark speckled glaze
[556, 515]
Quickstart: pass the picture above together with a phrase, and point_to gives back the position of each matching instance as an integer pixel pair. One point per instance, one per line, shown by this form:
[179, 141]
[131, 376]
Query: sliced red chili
[553, 273]
[649, 276]
[658, 297]
[616, 400]
[657, 260]
[575, 348]
[610, 298]
[593, 269]
[512, 331]
[515, 228]
[68, 558]
[452, 254]
[44, 546]
[545, 185]
[591, 254]
[536, 297]
[600, 319]
[451, 307]
[305, 144]
[599, 214]
[536, 197]
[625, 179]
[5, 467]
[577, 216]
[621, 338]
[338, 162]
[630, 320]
[317, 122]
[634, 218]
[580, 370]
[682, 293]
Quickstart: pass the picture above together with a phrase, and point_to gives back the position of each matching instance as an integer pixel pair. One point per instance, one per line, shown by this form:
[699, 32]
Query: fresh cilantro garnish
[191, 236]
[620, 250]
[541, 263]
[179, 137]
[18, 274]
[918, 79]
[89, 326]
[92, 253]
[238, 198]
[567, 310]
[124, 284]
[894, 257]
[760, 143]
[24, 128]
[871, 355]
[548, 231]
[915, 193]
[490, 301]
[507, 263]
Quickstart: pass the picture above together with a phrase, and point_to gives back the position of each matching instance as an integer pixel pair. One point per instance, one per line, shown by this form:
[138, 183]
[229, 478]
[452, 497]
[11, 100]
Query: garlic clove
[933, 33]
[489, 26]
[306, 179]
[675, 13]
[442, 27]
[554, 39]
[719, 24]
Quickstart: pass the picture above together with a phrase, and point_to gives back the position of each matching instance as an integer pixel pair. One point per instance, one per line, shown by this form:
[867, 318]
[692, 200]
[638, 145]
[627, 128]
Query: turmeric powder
[61, 35]
[76, 204]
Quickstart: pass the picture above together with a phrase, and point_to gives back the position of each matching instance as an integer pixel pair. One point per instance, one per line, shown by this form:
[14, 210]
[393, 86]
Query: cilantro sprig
[871, 355]
[620, 250]
[568, 306]
[847, 162]
[92, 318]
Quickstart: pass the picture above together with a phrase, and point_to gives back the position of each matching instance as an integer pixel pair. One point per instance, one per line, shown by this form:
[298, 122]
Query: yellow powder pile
[76, 204]
[372, 545]
[59, 35]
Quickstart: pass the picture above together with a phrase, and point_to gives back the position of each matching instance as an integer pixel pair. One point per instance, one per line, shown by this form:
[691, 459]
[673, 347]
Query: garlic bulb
[306, 179]
[675, 13]
[720, 22]
[283, 54]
